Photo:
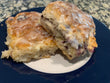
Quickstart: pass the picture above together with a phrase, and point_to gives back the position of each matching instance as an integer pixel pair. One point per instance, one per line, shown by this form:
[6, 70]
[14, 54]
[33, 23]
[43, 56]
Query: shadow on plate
[75, 60]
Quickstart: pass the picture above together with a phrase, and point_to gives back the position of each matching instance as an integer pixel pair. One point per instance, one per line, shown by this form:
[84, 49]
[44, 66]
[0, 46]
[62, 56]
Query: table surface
[100, 9]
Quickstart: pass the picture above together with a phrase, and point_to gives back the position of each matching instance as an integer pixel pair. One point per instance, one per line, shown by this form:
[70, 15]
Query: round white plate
[58, 64]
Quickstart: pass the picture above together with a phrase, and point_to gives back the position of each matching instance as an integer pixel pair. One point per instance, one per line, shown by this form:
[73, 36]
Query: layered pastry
[73, 30]
[26, 38]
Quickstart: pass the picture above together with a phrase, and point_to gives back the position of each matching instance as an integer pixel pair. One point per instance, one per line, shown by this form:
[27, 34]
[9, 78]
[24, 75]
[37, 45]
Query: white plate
[58, 64]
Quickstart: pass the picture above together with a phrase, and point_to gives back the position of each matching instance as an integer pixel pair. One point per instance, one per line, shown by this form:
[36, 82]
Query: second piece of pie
[27, 39]
[74, 30]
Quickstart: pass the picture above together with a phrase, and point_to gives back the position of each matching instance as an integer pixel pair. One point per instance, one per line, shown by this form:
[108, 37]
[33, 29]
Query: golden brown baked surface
[71, 25]
[26, 38]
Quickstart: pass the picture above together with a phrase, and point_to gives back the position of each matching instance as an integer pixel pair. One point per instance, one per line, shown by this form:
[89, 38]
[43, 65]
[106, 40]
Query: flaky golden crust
[27, 37]
[73, 25]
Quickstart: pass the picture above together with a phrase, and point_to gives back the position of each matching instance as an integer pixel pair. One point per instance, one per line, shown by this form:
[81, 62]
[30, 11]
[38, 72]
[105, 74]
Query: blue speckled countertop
[99, 9]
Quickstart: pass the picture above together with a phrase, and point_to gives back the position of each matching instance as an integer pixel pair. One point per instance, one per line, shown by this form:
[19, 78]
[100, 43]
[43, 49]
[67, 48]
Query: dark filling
[64, 42]
[70, 55]
[66, 47]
